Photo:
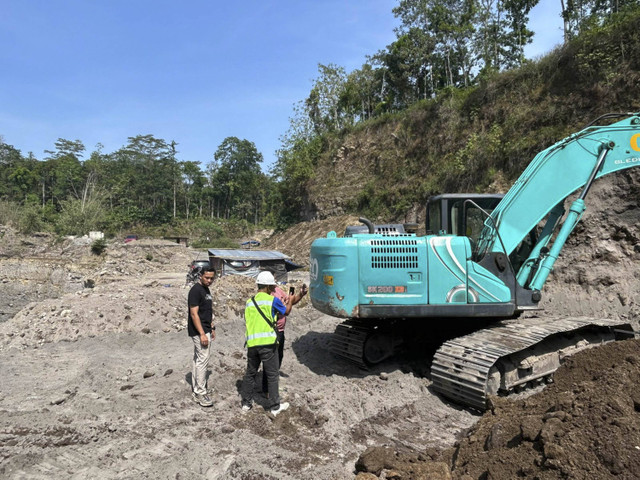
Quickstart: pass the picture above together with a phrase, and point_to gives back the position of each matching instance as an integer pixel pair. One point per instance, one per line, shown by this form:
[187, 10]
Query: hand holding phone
[292, 290]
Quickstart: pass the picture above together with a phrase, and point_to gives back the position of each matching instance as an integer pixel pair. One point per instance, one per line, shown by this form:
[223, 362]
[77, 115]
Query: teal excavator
[483, 262]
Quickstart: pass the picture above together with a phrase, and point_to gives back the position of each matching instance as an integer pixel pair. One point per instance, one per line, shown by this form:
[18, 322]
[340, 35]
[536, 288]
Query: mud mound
[585, 425]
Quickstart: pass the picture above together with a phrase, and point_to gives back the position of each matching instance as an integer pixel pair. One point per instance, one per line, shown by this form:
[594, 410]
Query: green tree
[360, 94]
[293, 169]
[323, 104]
[18, 179]
[520, 35]
[144, 183]
[193, 182]
[23, 180]
[236, 173]
[62, 175]
[409, 64]
[580, 15]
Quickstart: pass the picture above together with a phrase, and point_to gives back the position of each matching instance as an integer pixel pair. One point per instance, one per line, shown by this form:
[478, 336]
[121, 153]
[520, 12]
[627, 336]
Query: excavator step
[513, 354]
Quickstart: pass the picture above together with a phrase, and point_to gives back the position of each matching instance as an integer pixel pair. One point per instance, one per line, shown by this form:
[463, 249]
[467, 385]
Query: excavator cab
[460, 214]
[464, 214]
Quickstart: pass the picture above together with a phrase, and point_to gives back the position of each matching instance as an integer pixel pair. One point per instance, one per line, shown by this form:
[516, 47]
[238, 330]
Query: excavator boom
[557, 172]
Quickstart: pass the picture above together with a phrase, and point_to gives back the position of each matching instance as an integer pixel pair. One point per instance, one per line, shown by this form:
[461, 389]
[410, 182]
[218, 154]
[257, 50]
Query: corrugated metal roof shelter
[251, 262]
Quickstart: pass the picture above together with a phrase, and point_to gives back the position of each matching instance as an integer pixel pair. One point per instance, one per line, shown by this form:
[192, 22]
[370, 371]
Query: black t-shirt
[200, 296]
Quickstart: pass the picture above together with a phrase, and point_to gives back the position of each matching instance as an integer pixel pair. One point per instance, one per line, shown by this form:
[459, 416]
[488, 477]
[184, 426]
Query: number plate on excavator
[386, 289]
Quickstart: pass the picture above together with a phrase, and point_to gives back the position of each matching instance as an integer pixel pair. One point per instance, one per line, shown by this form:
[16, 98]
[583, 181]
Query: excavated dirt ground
[96, 383]
[95, 365]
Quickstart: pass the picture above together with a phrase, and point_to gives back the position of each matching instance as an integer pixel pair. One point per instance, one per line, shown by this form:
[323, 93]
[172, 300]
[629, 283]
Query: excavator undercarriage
[515, 355]
[509, 356]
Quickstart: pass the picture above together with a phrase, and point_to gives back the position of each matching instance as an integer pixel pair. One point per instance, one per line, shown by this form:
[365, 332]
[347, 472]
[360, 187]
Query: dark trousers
[265, 383]
[268, 356]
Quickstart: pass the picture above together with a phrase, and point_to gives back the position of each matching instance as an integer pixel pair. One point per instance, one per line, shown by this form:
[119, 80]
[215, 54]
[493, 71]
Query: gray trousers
[201, 357]
[268, 356]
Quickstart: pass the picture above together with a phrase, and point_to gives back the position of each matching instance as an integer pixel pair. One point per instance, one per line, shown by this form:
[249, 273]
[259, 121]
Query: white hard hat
[265, 278]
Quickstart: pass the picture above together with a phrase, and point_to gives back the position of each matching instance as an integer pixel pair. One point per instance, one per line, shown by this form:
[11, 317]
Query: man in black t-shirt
[202, 332]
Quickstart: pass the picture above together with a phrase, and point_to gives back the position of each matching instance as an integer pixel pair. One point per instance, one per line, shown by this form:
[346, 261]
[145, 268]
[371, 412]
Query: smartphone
[292, 290]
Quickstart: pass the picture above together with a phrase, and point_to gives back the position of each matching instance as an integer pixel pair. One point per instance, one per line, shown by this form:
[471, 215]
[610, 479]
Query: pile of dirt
[14, 244]
[43, 266]
[585, 425]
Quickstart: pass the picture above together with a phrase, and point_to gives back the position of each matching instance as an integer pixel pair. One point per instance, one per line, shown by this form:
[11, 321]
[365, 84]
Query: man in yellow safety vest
[260, 316]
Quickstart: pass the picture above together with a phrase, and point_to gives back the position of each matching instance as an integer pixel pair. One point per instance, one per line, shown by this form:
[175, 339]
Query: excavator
[482, 263]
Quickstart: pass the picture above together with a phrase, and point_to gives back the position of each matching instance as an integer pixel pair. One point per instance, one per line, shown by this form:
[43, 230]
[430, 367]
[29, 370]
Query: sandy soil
[95, 365]
[96, 384]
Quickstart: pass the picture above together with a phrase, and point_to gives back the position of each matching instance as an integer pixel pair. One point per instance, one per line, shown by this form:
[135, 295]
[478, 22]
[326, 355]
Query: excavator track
[514, 354]
[348, 341]
[364, 343]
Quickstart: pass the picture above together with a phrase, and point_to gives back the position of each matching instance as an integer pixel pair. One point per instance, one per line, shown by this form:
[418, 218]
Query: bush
[30, 219]
[98, 246]
[9, 213]
[207, 228]
[222, 242]
[78, 218]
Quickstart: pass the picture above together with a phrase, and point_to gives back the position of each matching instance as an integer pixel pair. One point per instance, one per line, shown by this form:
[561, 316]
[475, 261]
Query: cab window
[434, 225]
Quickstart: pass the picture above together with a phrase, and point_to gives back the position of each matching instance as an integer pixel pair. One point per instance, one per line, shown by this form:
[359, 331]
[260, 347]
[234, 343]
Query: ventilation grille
[391, 230]
[394, 254]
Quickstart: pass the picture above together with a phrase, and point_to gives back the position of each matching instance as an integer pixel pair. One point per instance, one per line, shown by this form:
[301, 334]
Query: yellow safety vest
[259, 332]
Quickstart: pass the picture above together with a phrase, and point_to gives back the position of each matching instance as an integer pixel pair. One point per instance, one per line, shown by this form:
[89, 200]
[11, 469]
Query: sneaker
[246, 408]
[203, 400]
[281, 408]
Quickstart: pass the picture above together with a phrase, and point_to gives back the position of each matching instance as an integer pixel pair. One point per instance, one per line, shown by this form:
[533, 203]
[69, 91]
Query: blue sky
[195, 72]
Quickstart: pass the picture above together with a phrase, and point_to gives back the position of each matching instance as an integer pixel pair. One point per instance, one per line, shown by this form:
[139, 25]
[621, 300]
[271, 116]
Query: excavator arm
[540, 192]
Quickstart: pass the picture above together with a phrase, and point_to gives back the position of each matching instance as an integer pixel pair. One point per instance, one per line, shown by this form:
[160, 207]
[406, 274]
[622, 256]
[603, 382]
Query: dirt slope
[296, 241]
